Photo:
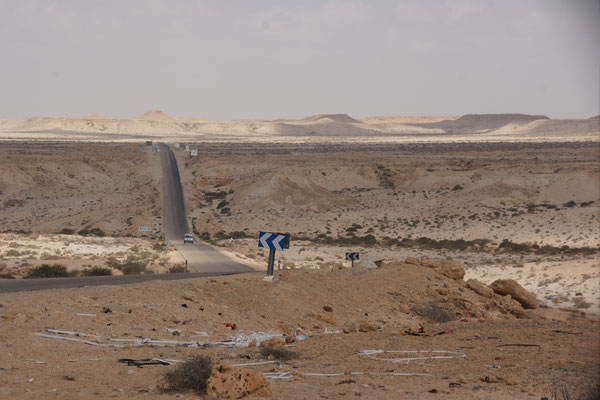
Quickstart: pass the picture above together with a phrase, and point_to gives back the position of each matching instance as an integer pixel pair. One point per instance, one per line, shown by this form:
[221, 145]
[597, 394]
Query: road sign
[275, 241]
[145, 229]
[193, 152]
[187, 148]
[351, 256]
[142, 149]
[148, 142]
[176, 145]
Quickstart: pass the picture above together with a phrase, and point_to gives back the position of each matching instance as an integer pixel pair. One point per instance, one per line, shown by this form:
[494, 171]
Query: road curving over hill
[200, 257]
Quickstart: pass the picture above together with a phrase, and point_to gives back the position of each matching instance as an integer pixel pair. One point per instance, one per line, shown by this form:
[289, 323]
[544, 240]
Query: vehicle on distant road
[188, 238]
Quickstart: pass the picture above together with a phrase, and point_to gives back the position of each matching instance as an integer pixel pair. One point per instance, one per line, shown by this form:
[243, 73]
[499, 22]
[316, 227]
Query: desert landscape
[439, 208]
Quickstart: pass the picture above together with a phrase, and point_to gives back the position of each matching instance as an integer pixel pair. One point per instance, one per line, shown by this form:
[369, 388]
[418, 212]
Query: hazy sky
[267, 59]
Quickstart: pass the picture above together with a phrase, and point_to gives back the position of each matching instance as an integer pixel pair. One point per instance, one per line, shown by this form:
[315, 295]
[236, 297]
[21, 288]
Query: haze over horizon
[268, 60]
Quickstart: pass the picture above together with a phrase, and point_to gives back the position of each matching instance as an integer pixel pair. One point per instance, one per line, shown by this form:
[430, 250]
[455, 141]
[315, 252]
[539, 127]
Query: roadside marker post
[273, 241]
[352, 257]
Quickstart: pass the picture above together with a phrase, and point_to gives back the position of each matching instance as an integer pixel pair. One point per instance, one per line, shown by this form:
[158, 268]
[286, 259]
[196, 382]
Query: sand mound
[473, 123]
[154, 115]
[290, 191]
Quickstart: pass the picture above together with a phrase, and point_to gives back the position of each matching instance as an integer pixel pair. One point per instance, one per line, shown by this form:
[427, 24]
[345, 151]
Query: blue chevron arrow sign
[275, 241]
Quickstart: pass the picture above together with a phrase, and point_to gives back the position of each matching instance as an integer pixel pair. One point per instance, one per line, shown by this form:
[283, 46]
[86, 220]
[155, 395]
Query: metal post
[271, 262]
[186, 267]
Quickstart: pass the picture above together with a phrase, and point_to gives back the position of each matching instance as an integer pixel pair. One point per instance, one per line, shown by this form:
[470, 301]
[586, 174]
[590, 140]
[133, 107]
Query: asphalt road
[24, 285]
[200, 257]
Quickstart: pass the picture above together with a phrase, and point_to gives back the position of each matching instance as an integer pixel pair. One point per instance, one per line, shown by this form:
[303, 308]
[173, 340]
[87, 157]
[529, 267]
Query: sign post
[273, 241]
[352, 257]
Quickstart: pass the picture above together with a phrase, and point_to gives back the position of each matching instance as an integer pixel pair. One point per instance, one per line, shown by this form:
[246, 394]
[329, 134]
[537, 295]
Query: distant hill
[343, 118]
[154, 115]
[472, 123]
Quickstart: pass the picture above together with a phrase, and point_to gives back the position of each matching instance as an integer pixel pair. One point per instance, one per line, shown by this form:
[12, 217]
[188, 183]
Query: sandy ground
[563, 351]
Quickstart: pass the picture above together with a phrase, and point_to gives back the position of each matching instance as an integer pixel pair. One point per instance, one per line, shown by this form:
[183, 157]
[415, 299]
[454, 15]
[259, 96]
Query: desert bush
[189, 375]
[133, 268]
[92, 232]
[12, 253]
[48, 271]
[177, 269]
[160, 246]
[67, 231]
[434, 312]
[222, 204]
[97, 271]
[278, 353]
[581, 303]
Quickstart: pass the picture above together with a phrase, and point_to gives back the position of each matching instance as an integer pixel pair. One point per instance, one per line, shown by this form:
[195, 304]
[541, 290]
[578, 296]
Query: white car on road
[188, 238]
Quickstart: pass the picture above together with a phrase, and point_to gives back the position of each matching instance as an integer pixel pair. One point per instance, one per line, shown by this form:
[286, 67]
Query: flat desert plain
[435, 221]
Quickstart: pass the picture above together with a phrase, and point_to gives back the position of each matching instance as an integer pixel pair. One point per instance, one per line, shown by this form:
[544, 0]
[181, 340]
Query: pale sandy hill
[155, 115]
[407, 120]
[473, 123]
[553, 127]
[342, 118]
[95, 116]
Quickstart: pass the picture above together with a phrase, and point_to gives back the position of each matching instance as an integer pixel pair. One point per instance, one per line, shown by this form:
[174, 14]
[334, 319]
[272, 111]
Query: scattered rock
[327, 308]
[367, 327]
[412, 260]
[283, 274]
[327, 317]
[228, 382]
[480, 288]
[448, 268]
[106, 310]
[452, 269]
[511, 287]
[349, 327]
[489, 379]
[367, 263]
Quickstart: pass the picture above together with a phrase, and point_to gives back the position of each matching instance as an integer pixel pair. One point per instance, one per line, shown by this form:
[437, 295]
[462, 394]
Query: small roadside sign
[187, 148]
[352, 257]
[176, 145]
[273, 241]
[145, 229]
[193, 152]
[148, 142]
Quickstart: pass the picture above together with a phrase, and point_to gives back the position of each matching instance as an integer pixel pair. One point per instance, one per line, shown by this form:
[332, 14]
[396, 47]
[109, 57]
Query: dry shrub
[48, 271]
[278, 353]
[177, 269]
[97, 271]
[189, 375]
[434, 312]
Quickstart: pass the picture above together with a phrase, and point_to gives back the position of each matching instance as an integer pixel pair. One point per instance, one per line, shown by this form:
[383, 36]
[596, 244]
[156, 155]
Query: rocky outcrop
[511, 287]
[480, 288]
[448, 268]
[228, 382]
